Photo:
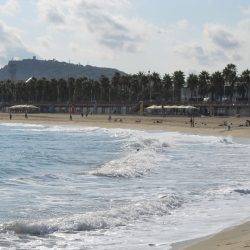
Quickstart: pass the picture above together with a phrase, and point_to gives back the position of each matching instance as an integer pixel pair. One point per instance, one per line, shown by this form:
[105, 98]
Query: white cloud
[11, 7]
[104, 32]
[11, 45]
[103, 20]
[219, 45]
[221, 37]
[183, 24]
[51, 12]
[245, 10]
[201, 55]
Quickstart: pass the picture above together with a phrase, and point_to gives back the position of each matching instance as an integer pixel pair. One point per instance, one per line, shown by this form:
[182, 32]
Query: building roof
[154, 107]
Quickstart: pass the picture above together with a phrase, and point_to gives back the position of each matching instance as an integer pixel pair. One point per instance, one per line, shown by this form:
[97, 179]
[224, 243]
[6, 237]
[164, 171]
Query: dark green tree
[178, 82]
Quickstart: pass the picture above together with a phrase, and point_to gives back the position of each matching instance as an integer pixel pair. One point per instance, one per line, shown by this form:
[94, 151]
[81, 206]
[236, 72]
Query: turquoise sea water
[66, 187]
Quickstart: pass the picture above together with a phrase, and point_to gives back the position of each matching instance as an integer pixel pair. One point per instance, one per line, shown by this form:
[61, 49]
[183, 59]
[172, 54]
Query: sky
[130, 35]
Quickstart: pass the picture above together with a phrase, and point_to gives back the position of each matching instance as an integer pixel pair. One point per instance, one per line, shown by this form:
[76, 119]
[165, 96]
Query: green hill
[23, 69]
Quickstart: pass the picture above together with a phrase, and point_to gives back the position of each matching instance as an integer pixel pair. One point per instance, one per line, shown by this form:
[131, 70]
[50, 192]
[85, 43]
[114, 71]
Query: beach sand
[203, 125]
[234, 238]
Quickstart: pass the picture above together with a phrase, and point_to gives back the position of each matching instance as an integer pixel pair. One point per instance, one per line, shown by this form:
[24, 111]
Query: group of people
[82, 114]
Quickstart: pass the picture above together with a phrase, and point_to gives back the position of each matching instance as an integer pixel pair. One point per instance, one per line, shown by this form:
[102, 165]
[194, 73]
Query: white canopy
[23, 107]
[155, 107]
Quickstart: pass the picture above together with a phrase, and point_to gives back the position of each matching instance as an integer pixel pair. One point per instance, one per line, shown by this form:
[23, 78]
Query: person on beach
[227, 125]
[26, 115]
[109, 119]
[10, 116]
[70, 116]
[191, 122]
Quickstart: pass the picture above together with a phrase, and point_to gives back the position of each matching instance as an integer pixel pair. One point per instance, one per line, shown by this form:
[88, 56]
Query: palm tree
[63, 90]
[156, 86]
[217, 85]
[230, 78]
[203, 83]
[105, 88]
[178, 82]
[192, 83]
[167, 87]
[116, 86]
[245, 83]
[71, 88]
[78, 91]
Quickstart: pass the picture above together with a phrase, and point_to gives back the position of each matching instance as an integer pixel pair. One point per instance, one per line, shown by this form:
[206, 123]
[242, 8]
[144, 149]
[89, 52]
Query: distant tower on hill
[12, 69]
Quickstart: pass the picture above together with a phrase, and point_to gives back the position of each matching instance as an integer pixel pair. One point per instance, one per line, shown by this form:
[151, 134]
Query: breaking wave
[132, 165]
[115, 217]
[143, 155]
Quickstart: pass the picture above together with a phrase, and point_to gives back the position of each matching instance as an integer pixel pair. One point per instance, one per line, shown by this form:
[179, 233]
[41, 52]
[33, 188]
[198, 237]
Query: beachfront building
[224, 109]
[193, 96]
[88, 108]
[172, 110]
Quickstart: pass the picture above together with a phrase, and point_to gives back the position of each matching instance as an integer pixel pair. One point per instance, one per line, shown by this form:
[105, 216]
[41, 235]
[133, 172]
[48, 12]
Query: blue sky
[132, 35]
[196, 11]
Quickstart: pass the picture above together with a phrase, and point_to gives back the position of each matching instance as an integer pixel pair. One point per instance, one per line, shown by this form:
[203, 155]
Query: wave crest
[132, 165]
[115, 217]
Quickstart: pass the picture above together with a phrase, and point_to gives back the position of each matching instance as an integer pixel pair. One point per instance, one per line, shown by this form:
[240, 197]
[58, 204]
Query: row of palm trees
[129, 88]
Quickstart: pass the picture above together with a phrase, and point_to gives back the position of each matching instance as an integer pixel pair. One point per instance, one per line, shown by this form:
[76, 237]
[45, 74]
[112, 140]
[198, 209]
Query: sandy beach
[234, 238]
[203, 125]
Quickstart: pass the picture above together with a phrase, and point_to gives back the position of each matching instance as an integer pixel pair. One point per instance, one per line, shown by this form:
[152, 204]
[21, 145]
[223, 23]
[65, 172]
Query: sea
[72, 187]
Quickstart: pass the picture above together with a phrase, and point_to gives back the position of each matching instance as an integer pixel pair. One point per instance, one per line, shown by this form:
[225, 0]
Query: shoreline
[203, 125]
[231, 238]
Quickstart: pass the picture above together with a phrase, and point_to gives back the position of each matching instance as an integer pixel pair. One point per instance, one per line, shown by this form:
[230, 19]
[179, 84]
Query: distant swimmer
[137, 149]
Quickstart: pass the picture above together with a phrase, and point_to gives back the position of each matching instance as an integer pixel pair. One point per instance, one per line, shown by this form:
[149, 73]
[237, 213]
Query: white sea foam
[209, 173]
[22, 125]
[141, 157]
[115, 217]
[69, 129]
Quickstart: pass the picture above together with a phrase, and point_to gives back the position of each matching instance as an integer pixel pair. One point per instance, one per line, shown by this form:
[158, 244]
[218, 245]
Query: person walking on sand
[10, 116]
[191, 121]
[26, 115]
[70, 116]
